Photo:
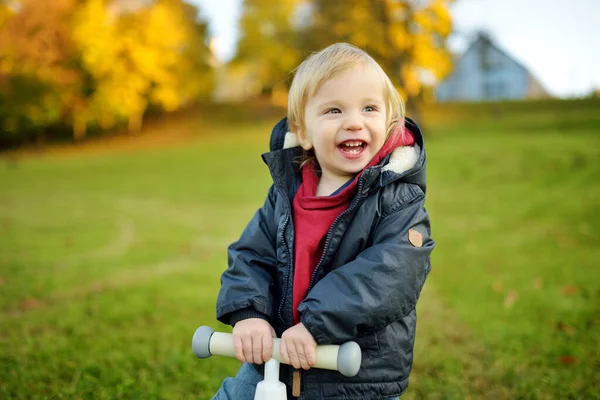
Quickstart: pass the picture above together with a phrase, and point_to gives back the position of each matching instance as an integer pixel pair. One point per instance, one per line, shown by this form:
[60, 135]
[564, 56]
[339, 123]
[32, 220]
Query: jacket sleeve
[380, 286]
[246, 284]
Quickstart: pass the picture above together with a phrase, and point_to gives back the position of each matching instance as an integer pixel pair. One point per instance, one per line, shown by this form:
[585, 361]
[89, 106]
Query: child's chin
[355, 169]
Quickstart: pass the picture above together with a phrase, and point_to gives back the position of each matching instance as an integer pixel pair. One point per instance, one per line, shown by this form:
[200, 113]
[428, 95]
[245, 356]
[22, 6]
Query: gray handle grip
[345, 358]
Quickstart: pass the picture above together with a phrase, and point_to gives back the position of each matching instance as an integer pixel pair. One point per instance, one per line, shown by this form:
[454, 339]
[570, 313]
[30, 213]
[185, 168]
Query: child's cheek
[323, 124]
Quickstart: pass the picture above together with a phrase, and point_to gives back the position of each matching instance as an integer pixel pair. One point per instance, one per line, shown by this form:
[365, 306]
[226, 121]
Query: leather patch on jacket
[415, 238]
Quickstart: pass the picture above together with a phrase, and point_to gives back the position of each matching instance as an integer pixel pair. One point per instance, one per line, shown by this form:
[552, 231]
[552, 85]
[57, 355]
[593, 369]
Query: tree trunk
[40, 138]
[79, 129]
[135, 123]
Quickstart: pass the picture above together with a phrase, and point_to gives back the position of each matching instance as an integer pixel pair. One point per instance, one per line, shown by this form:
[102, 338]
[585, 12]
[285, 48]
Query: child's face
[346, 122]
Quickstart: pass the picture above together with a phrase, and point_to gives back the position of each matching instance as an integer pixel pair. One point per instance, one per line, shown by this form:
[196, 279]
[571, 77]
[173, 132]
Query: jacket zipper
[289, 264]
[327, 240]
[314, 274]
[333, 225]
[325, 248]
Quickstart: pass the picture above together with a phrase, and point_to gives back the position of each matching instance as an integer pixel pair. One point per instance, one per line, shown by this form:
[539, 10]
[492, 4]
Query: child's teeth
[353, 147]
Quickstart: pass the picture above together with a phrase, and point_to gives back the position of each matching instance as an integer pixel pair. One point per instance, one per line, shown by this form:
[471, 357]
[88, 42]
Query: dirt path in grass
[447, 355]
[450, 362]
[140, 275]
[122, 241]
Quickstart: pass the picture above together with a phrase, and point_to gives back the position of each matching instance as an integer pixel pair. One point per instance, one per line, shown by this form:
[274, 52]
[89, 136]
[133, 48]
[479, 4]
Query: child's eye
[370, 108]
[333, 111]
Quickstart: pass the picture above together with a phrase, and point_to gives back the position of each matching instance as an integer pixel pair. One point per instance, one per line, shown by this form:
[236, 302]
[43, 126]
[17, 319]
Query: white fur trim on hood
[290, 140]
[402, 158]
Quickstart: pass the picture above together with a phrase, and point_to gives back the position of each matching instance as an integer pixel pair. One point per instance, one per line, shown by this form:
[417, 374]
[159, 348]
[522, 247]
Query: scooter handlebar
[345, 358]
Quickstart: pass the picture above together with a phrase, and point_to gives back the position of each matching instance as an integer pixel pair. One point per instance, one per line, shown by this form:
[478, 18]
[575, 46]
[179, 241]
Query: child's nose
[353, 121]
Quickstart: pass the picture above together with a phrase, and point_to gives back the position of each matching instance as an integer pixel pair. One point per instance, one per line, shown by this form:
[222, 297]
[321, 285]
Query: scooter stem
[272, 370]
[271, 388]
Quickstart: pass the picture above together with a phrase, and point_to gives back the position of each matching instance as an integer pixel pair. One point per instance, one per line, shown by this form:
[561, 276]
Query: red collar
[310, 180]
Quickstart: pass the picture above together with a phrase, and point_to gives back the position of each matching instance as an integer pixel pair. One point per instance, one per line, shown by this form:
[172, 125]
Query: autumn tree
[40, 79]
[85, 63]
[140, 53]
[408, 38]
[268, 48]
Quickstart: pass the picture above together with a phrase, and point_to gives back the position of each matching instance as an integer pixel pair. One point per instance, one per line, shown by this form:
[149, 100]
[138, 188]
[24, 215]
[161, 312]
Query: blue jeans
[243, 385]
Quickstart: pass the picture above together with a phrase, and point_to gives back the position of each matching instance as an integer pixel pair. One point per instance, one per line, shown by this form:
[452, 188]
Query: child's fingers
[283, 352]
[311, 355]
[293, 354]
[247, 346]
[257, 348]
[238, 349]
[302, 356]
[267, 347]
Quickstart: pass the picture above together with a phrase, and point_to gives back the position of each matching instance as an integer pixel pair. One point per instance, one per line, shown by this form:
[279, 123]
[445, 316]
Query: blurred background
[130, 142]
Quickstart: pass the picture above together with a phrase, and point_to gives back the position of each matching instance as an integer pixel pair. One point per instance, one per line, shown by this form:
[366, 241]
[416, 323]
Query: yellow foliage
[269, 54]
[39, 77]
[98, 61]
[5, 14]
[443, 18]
[412, 85]
[150, 55]
[400, 38]
[404, 36]
[94, 32]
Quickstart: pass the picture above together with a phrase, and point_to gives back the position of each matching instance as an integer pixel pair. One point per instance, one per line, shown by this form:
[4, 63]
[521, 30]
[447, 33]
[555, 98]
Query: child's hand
[298, 347]
[253, 340]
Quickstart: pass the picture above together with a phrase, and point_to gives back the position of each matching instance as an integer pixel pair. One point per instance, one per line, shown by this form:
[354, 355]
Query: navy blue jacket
[366, 285]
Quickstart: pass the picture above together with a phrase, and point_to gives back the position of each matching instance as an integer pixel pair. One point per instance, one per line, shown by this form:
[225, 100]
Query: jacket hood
[405, 163]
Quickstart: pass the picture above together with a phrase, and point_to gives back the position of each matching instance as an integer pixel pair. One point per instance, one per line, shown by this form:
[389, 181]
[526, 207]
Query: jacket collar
[405, 162]
[400, 160]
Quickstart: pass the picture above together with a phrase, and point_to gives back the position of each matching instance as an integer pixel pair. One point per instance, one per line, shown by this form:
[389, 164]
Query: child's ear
[303, 139]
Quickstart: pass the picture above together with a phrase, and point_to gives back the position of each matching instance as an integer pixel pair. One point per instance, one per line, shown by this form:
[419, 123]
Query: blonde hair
[321, 66]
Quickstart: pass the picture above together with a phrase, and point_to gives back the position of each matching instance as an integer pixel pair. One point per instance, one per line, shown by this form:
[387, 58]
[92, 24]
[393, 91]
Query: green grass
[110, 260]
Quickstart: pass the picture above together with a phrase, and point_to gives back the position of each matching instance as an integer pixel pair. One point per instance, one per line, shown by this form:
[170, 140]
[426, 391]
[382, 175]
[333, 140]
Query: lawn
[110, 259]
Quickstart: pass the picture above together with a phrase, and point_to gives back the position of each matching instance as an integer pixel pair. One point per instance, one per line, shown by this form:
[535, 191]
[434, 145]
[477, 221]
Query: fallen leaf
[564, 327]
[456, 338]
[68, 241]
[567, 360]
[2, 280]
[537, 283]
[97, 287]
[30, 304]
[497, 287]
[569, 290]
[564, 241]
[511, 298]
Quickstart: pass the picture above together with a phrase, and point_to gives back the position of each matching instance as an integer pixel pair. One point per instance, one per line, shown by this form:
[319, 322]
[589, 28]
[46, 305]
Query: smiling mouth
[353, 147]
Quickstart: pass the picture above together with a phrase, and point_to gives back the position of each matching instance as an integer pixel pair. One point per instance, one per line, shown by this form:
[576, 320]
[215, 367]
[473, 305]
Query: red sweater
[313, 216]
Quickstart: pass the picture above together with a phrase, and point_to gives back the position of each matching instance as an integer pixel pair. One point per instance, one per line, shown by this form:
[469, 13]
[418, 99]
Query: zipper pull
[296, 383]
